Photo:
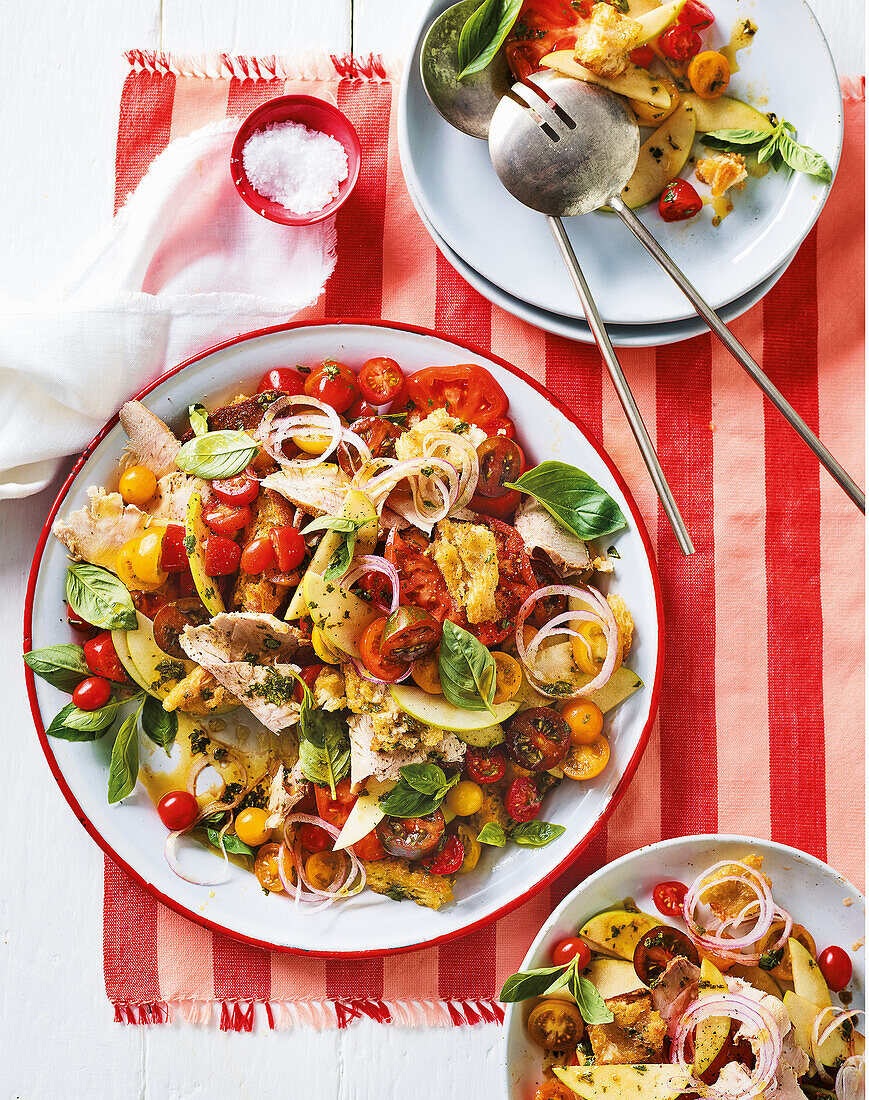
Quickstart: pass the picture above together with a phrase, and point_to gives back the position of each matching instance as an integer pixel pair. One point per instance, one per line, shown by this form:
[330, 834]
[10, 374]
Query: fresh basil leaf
[230, 843]
[344, 524]
[536, 834]
[99, 598]
[589, 1001]
[324, 744]
[339, 563]
[93, 720]
[725, 139]
[324, 767]
[484, 33]
[198, 419]
[467, 669]
[529, 983]
[59, 729]
[217, 454]
[425, 778]
[160, 725]
[404, 801]
[63, 666]
[767, 150]
[124, 764]
[804, 159]
[572, 498]
[493, 834]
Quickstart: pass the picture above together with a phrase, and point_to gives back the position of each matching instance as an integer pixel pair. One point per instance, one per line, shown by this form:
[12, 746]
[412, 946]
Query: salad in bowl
[341, 631]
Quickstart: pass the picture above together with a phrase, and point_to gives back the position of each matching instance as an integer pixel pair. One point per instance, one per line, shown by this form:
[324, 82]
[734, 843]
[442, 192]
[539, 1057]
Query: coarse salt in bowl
[291, 156]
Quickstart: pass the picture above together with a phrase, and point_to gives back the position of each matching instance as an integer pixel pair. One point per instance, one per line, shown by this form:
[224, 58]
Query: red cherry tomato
[696, 15]
[644, 56]
[485, 765]
[314, 839]
[409, 633]
[334, 383]
[569, 949]
[500, 426]
[257, 557]
[173, 556]
[171, 621]
[335, 810]
[360, 410]
[503, 507]
[657, 949]
[282, 379]
[308, 675]
[289, 547]
[523, 800]
[369, 848]
[76, 621]
[221, 556]
[680, 43]
[177, 810]
[501, 461]
[668, 897]
[102, 659]
[411, 837]
[223, 519]
[679, 201]
[836, 966]
[236, 490]
[373, 657]
[447, 859]
[92, 693]
[537, 739]
[379, 434]
[377, 589]
[465, 390]
[381, 380]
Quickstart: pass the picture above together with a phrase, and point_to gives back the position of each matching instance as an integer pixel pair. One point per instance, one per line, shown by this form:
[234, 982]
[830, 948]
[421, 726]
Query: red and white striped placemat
[760, 723]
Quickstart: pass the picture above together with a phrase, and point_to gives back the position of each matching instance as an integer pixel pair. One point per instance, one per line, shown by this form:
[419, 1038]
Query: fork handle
[622, 388]
[834, 468]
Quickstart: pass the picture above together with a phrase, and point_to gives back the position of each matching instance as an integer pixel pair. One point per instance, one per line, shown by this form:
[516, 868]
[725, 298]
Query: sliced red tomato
[379, 434]
[101, 657]
[335, 810]
[236, 490]
[464, 390]
[485, 765]
[421, 582]
[501, 426]
[448, 859]
[695, 14]
[380, 380]
[523, 800]
[221, 556]
[257, 557]
[173, 556]
[411, 837]
[359, 409]
[378, 662]
[668, 897]
[289, 547]
[369, 848]
[223, 519]
[644, 56]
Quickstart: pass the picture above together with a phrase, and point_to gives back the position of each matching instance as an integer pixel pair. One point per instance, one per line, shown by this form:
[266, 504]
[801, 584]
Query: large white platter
[511, 247]
[813, 893]
[131, 832]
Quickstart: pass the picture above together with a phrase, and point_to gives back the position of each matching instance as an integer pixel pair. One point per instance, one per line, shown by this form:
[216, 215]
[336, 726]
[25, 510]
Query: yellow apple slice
[662, 158]
[366, 813]
[808, 980]
[835, 1048]
[195, 534]
[618, 931]
[655, 22]
[725, 113]
[712, 1032]
[613, 977]
[644, 1082]
[339, 614]
[636, 83]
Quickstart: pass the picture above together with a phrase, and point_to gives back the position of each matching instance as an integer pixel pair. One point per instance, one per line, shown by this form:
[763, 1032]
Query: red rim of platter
[514, 903]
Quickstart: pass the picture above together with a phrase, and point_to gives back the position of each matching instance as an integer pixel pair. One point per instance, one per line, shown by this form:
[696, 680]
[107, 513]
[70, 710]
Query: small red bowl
[316, 114]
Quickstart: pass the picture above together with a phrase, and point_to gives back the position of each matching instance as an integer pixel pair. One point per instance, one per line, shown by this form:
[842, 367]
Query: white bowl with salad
[722, 966]
[319, 656]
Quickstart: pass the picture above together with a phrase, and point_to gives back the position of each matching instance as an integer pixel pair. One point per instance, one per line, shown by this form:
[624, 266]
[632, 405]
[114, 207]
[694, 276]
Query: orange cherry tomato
[369, 848]
[585, 720]
[266, 868]
[554, 1090]
[709, 74]
[587, 761]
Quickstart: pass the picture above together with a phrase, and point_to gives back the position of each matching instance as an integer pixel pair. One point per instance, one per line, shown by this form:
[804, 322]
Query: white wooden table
[62, 71]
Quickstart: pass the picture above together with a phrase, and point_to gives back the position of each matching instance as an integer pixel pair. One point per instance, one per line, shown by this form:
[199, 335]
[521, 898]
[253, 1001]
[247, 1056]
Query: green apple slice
[655, 22]
[809, 982]
[435, 710]
[366, 813]
[644, 1082]
[195, 534]
[340, 614]
[119, 640]
[150, 660]
[662, 157]
[835, 1048]
[725, 113]
[712, 1033]
[636, 83]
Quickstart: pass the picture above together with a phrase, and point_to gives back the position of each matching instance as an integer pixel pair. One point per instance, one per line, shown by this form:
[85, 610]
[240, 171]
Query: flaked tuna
[97, 532]
[151, 443]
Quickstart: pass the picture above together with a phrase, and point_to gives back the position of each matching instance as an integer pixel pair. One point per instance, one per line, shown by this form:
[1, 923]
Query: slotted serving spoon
[570, 150]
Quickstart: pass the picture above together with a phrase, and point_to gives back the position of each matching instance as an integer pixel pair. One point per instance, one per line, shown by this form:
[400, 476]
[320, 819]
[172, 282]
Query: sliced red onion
[820, 1037]
[303, 890]
[751, 1014]
[420, 512]
[736, 948]
[374, 563]
[366, 675]
[851, 1079]
[169, 851]
[469, 469]
[597, 611]
[324, 420]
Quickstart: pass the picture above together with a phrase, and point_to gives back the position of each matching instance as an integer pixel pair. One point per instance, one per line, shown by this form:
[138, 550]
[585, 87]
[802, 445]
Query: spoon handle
[739, 353]
[622, 388]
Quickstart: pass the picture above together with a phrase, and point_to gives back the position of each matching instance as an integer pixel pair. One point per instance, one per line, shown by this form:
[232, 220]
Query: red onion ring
[303, 890]
[732, 947]
[374, 563]
[171, 856]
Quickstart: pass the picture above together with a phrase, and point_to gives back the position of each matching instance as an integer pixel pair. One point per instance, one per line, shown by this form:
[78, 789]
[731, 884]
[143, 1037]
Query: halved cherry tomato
[466, 390]
[137, 485]
[173, 556]
[309, 675]
[657, 949]
[569, 949]
[679, 201]
[554, 1090]
[236, 490]
[360, 409]
[411, 837]
[171, 620]
[709, 74]
[369, 848]
[537, 739]
[501, 461]
[668, 897]
[485, 765]
[322, 868]
[92, 693]
[587, 761]
[585, 720]
[379, 434]
[223, 519]
[695, 14]
[523, 800]
[426, 673]
[266, 868]
[178, 810]
[221, 556]
[76, 621]
[282, 379]
[380, 380]
[680, 43]
[334, 383]
[257, 557]
[503, 507]
[289, 547]
[410, 633]
[314, 839]
[589, 647]
[335, 810]
[102, 658]
[784, 970]
[644, 56]
[375, 660]
[836, 967]
[377, 589]
[555, 1024]
[148, 603]
[508, 677]
[137, 563]
[448, 859]
[422, 583]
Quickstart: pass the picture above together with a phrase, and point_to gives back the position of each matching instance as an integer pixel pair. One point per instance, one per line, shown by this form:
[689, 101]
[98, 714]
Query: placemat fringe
[853, 87]
[224, 66]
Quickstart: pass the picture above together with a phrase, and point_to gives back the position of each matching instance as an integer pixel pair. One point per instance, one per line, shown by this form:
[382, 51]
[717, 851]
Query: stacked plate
[506, 252]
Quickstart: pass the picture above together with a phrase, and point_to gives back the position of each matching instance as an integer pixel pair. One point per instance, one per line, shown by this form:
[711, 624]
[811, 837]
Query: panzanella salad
[726, 997]
[399, 614]
[674, 66]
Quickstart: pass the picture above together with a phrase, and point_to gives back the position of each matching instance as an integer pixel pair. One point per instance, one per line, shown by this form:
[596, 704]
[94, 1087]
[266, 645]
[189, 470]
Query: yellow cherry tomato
[472, 848]
[322, 868]
[585, 719]
[465, 798]
[137, 563]
[251, 828]
[654, 116]
[266, 868]
[426, 674]
[508, 677]
[589, 647]
[313, 445]
[709, 74]
[587, 761]
[137, 485]
[323, 647]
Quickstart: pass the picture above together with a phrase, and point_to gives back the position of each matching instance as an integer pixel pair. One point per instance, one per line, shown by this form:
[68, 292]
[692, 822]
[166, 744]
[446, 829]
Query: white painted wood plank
[290, 27]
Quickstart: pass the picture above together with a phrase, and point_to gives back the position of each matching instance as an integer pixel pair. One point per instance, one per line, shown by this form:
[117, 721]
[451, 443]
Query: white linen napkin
[185, 264]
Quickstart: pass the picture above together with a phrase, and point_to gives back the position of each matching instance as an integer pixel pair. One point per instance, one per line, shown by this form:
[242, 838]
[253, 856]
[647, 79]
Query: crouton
[635, 1035]
[493, 811]
[723, 171]
[604, 43]
[199, 694]
[400, 880]
[728, 899]
[467, 556]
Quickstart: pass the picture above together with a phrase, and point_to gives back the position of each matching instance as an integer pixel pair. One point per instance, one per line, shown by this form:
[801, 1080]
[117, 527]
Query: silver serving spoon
[571, 150]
